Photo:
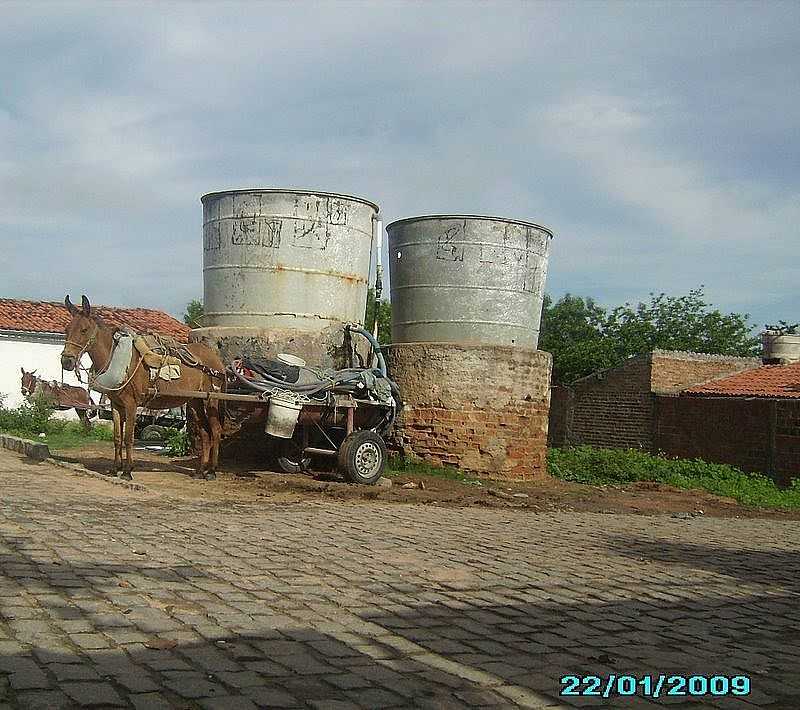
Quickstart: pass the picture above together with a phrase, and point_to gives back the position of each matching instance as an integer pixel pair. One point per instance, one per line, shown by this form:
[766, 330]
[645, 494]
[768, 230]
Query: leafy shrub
[584, 464]
[177, 442]
[32, 417]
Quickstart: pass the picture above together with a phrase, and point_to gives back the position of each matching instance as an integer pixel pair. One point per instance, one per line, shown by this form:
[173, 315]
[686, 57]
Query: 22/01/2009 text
[654, 686]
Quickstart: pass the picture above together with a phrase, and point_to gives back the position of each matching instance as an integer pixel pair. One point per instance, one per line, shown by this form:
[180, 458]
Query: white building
[32, 336]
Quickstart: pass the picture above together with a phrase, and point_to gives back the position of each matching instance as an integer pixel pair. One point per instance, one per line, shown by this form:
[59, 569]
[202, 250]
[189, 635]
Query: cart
[341, 417]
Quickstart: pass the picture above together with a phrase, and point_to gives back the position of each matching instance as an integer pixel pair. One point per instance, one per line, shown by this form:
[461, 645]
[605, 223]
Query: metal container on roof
[467, 279]
[280, 259]
[783, 348]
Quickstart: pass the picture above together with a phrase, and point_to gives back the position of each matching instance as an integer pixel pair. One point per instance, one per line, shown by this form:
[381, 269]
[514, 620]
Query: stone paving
[116, 598]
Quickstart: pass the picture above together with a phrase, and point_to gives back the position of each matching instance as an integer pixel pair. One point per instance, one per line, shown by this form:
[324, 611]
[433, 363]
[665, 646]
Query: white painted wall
[44, 357]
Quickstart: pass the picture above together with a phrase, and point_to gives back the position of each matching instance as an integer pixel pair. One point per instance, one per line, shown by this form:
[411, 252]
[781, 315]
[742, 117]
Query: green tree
[584, 337]
[572, 330]
[384, 311]
[194, 313]
[679, 323]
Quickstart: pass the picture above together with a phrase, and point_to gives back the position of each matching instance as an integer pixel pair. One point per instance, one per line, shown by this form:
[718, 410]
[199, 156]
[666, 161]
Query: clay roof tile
[53, 317]
[770, 381]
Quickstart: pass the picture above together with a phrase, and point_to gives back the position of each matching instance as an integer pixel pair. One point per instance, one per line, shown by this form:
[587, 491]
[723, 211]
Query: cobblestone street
[117, 598]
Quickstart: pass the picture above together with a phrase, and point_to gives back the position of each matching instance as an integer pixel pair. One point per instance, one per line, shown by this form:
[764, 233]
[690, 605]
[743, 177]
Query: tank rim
[288, 190]
[492, 218]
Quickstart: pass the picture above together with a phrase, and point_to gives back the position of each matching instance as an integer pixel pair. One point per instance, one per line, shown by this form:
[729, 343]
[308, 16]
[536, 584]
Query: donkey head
[28, 382]
[80, 333]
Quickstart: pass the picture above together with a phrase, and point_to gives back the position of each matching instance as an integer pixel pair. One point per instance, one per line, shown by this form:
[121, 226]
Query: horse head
[28, 382]
[81, 332]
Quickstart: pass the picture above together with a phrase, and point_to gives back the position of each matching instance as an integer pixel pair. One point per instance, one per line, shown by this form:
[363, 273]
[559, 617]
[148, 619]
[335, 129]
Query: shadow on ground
[105, 635]
[773, 567]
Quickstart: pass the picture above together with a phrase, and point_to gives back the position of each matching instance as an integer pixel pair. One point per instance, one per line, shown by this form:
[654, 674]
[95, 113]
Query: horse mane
[97, 318]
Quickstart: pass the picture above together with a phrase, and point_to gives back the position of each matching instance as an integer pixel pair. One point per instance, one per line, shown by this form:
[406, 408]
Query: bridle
[28, 389]
[83, 348]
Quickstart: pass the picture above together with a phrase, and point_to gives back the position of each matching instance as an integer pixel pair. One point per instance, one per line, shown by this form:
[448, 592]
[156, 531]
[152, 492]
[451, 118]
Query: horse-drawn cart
[309, 414]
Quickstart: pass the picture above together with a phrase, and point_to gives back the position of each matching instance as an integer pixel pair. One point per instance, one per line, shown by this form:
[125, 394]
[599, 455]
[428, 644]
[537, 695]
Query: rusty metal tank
[283, 270]
[467, 279]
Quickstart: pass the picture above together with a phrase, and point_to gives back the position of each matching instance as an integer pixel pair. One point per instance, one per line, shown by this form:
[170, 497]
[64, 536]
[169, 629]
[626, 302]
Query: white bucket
[282, 417]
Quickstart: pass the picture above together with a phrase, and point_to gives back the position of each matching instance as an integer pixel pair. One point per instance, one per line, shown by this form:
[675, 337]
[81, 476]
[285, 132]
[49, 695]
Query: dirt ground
[172, 477]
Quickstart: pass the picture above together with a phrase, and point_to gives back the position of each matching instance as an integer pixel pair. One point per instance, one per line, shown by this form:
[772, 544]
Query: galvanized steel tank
[467, 279]
[278, 259]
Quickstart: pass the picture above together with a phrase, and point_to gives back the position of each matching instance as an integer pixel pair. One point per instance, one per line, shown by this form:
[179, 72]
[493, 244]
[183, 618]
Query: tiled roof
[770, 381]
[53, 317]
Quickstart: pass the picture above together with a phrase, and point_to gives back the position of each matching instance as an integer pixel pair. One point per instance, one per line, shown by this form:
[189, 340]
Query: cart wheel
[288, 465]
[153, 432]
[362, 457]
[290, 458]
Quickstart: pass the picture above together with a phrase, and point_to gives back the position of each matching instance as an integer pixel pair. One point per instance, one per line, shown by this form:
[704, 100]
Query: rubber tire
[286, 465]
[348, 455]
[153, 432]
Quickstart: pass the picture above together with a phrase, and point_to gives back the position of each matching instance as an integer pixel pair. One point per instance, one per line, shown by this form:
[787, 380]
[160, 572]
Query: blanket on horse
[160, 355]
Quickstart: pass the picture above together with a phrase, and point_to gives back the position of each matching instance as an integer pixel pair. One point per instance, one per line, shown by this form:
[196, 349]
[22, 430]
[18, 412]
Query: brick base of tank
[483, 409]
[325, 348]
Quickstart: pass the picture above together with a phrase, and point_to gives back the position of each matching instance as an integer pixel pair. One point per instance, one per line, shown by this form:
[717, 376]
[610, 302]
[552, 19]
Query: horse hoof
[126, 476]
[211, 476]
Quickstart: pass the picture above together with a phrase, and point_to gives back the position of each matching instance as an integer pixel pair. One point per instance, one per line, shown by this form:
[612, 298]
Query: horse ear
[87, 307]
[23, 370]
[70, 306]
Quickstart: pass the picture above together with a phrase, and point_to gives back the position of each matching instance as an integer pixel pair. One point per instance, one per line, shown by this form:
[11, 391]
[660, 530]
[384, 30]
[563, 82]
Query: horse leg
[117, 417]
[215, 429]
[83, 415]
[201, 432]
[130, 428]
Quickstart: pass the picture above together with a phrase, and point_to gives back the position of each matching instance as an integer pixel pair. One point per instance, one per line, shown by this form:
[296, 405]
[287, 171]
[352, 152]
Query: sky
[659, 141]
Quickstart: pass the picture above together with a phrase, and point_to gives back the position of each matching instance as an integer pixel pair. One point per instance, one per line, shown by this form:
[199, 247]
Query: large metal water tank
[467, 279]
[782, 348]
[285, 258]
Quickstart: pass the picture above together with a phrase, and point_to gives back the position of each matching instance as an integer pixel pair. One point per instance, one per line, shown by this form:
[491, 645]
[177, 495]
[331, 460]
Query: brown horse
[202, 370]
[59, 395]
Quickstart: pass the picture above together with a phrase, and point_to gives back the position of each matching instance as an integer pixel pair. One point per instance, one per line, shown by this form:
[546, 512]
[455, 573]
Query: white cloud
[656, 139]
[719, 232]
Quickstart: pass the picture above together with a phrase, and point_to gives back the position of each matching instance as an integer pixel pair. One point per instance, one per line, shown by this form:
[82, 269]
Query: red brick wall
[483, 409]
[561, 404]
[732, 430]
[613, 408]
[787, 440]
[672, 372]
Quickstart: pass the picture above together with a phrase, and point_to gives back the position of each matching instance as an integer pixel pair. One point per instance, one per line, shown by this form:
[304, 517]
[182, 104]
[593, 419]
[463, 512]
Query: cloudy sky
[660, 141]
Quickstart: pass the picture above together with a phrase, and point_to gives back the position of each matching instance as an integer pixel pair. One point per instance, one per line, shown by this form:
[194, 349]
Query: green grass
[584, 464]
[32, 419]
[65, 435]
[400, 466]
[177, 442]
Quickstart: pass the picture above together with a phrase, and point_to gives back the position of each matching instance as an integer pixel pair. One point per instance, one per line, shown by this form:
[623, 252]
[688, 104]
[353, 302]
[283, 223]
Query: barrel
[467, 279]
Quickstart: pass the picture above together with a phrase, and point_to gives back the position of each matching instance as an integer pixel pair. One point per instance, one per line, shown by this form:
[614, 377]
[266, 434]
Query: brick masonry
[483, 409]
[616, 407]
[673, 371]
[757, 435]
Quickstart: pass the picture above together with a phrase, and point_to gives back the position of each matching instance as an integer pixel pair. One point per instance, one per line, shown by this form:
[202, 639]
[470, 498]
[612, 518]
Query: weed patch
[584, 464]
